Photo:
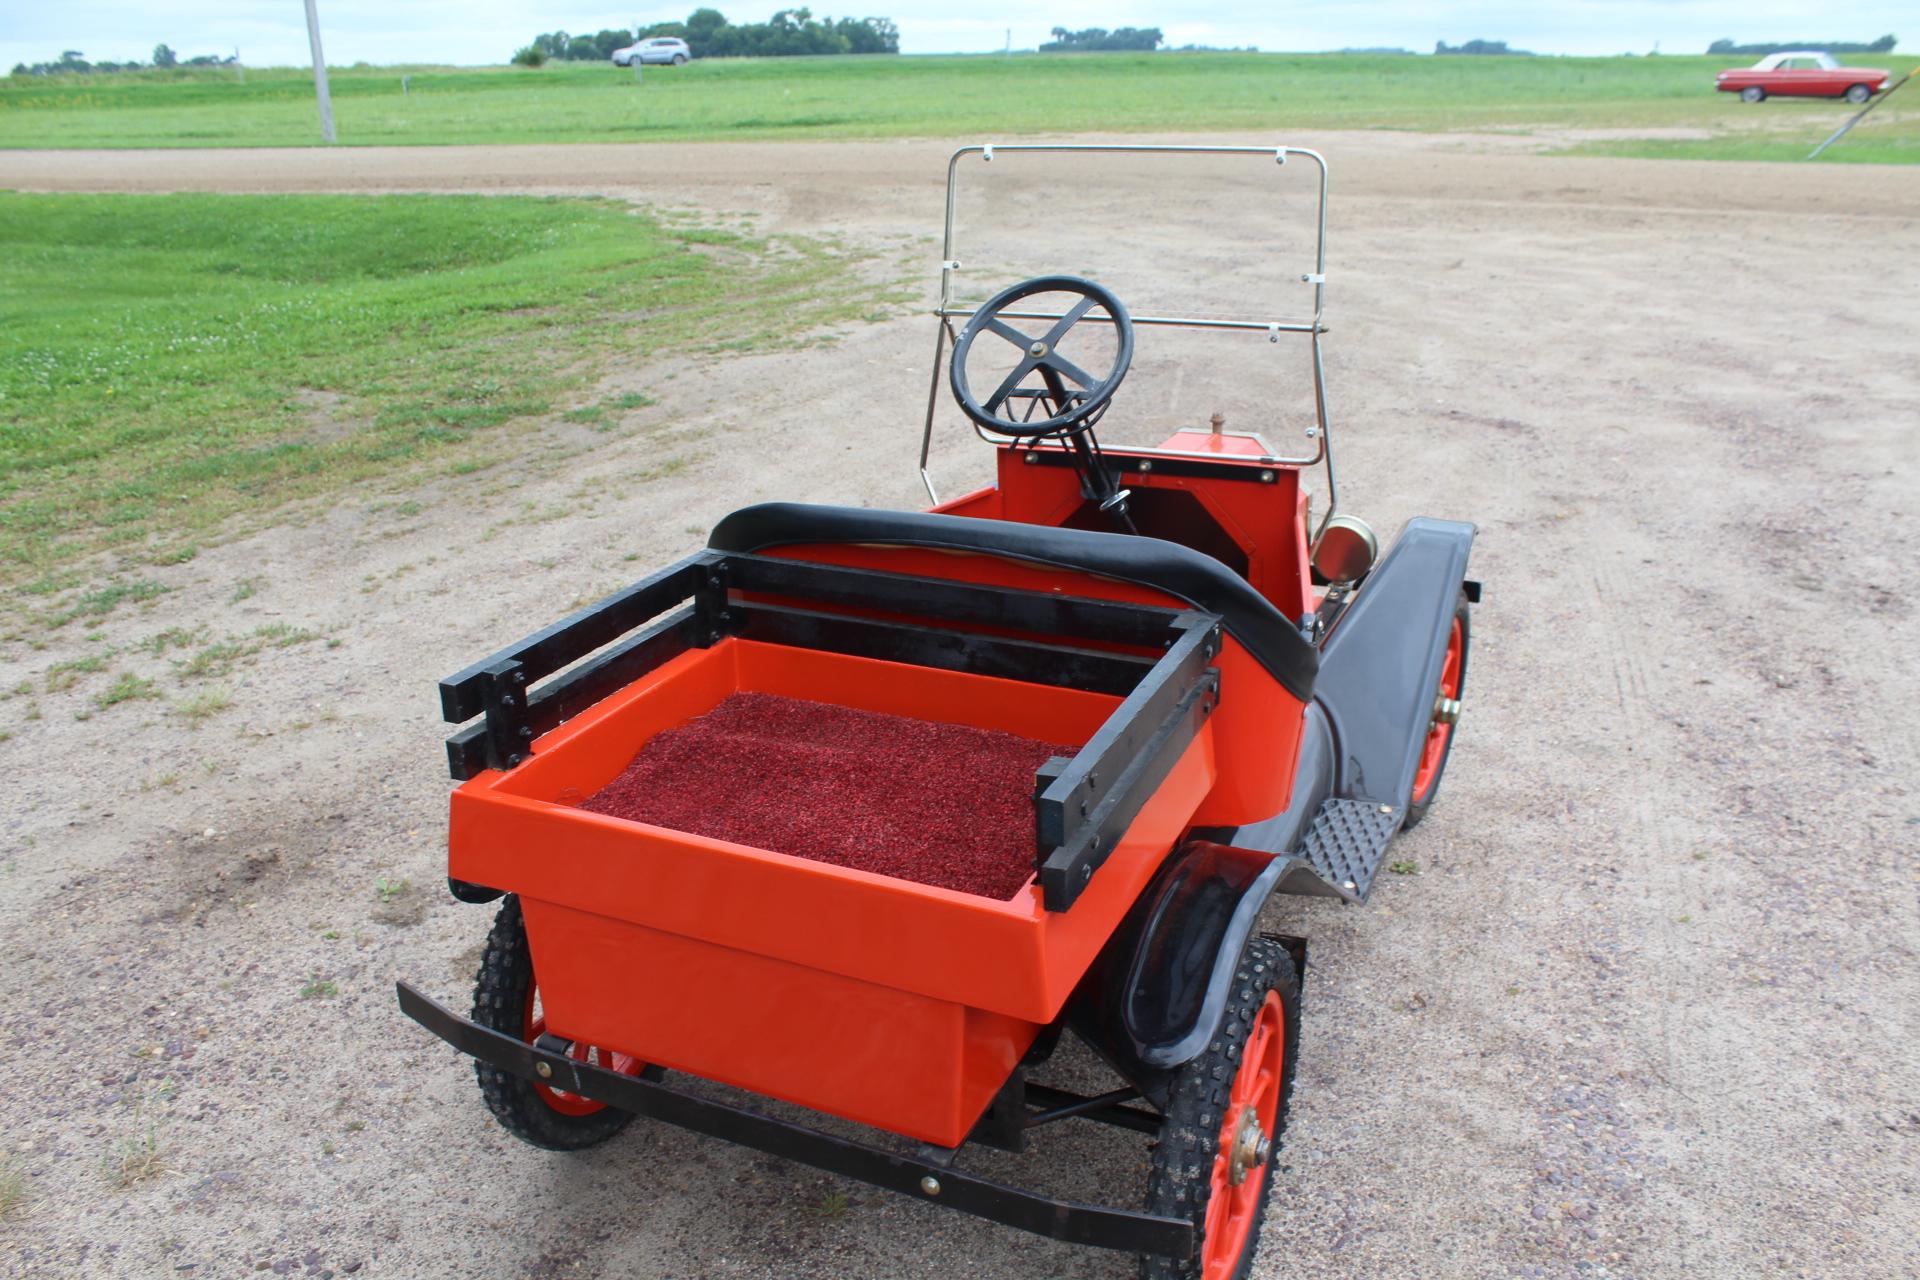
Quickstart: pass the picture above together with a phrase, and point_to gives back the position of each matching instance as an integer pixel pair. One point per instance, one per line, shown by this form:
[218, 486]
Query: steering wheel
[1074, 405]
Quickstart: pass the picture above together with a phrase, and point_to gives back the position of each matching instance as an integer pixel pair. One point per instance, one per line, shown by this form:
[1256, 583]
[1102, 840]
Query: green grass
[971, 97]
[170, 362]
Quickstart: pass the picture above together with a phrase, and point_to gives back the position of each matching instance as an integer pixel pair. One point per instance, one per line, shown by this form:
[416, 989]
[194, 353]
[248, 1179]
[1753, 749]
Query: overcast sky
[273, 32]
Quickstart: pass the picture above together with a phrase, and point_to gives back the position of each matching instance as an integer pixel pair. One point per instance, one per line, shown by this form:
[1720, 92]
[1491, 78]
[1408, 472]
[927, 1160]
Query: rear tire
[504, 1000]
[1247, 1067]
[1438, 748]
[1858, 94]
[679, 59]
[1753, 93]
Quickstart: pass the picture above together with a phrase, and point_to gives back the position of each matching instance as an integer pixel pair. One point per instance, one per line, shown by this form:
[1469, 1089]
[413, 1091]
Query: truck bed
[939, 804]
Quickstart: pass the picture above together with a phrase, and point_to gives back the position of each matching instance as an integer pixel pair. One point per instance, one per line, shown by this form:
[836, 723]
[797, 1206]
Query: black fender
[1155, 995]
[1381, 662]
[467, 891]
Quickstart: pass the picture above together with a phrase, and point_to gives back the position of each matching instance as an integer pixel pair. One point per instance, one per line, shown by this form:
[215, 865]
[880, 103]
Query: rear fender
[1155, 996]
[1381, 664]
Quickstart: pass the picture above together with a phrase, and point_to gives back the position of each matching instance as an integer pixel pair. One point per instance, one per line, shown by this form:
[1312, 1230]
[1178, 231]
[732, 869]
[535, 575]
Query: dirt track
[1649, 1009]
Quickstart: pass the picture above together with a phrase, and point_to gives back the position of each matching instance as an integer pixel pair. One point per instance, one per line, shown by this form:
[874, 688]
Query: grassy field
[989, 96]
[170, 362]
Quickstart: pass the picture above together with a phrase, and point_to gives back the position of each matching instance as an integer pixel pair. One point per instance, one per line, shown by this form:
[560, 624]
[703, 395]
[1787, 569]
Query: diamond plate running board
[1347, 842]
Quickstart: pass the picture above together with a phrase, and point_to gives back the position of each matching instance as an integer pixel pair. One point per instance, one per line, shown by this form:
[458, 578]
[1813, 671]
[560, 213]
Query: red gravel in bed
[940, 804]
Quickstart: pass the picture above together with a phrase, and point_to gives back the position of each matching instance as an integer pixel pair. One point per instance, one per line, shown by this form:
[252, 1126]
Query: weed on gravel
[137, 1157]
[13, 1187]
[219, 659]
[128, 688]
[196, 709]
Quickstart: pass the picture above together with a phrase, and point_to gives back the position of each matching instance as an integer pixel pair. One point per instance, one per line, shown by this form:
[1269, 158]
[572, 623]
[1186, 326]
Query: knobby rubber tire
[500, 1004]
[1179, 1179]
[1417, 806]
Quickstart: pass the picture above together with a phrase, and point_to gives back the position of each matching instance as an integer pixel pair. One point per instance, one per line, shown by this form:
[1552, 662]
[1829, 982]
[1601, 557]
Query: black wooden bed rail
[1082, 805]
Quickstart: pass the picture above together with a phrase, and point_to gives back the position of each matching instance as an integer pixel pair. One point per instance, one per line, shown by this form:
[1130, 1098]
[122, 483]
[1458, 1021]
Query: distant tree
[1497, 47]
[1100, 40]
[1728, 48]
[529, 55]
[163, 56]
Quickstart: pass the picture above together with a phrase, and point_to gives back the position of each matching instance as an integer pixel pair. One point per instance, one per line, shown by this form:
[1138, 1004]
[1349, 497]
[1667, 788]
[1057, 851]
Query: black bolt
[506, 700]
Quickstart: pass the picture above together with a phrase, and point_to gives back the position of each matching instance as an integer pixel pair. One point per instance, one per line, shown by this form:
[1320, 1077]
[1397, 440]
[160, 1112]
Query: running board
[1343, 849]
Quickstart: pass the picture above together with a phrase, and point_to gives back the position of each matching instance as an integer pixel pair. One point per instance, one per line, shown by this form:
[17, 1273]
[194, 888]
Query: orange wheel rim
[572, 1104]
[1435, 749]
[1233, 1208]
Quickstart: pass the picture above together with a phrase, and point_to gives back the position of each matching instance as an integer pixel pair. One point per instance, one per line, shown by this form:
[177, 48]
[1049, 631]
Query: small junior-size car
[1802, 73]
[670, 50]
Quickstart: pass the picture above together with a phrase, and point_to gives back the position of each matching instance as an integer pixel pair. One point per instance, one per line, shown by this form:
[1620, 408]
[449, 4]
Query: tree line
[789, 33]
[1481, 46]
[1883, 45]
[1100, 40]
[73, 62]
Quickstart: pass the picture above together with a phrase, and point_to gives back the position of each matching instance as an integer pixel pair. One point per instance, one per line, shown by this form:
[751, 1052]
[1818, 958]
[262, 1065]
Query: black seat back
[1200, 580]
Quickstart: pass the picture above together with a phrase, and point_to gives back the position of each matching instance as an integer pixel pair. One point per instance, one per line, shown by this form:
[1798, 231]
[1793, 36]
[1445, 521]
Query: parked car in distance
[670, 50]
[1802, 73]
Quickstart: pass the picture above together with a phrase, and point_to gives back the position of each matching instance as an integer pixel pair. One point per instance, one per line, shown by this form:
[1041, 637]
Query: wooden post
[320, 73]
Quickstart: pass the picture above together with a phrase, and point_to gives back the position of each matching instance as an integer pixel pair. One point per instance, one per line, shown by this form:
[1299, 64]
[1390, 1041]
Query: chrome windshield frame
[1312, 327]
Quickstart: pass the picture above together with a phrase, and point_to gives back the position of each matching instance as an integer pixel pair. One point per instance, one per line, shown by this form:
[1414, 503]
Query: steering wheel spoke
[994, 324]
[1069, 368]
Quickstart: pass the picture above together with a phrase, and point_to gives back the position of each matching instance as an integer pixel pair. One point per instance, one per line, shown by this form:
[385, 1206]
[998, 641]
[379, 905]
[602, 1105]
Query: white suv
[667, 49]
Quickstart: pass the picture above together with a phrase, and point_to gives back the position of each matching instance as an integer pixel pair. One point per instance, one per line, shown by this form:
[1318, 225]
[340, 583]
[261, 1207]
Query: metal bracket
[712, 620]
[1004, 1123]
[504, 696]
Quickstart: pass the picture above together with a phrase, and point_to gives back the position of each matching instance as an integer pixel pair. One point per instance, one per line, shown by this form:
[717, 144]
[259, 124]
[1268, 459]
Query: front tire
[1438, 748]
[1858, 94]
[1225, 1116]
[1753, 93]
[506, 999]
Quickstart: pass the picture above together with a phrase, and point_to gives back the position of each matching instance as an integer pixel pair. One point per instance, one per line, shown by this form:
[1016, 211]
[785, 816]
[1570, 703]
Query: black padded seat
[1181, 572]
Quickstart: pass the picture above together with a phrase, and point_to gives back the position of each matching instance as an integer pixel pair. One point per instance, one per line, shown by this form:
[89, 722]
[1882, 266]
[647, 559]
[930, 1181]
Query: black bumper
[921, 1178]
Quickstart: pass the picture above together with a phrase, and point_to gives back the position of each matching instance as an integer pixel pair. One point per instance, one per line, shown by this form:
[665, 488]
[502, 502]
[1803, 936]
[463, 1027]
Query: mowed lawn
[169, 363]
[983, 96]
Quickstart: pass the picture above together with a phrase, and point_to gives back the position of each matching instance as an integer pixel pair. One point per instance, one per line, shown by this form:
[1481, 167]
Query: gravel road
[1649, 1007]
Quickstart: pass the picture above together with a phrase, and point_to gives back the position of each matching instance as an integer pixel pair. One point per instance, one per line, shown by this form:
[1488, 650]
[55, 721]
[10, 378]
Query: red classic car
[1802, 74]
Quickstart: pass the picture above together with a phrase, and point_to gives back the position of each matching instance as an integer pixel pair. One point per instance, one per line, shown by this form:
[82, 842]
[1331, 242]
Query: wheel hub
[1251, 1147]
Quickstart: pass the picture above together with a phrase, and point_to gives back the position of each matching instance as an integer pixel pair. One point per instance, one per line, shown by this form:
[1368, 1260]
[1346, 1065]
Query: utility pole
[320, 73]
